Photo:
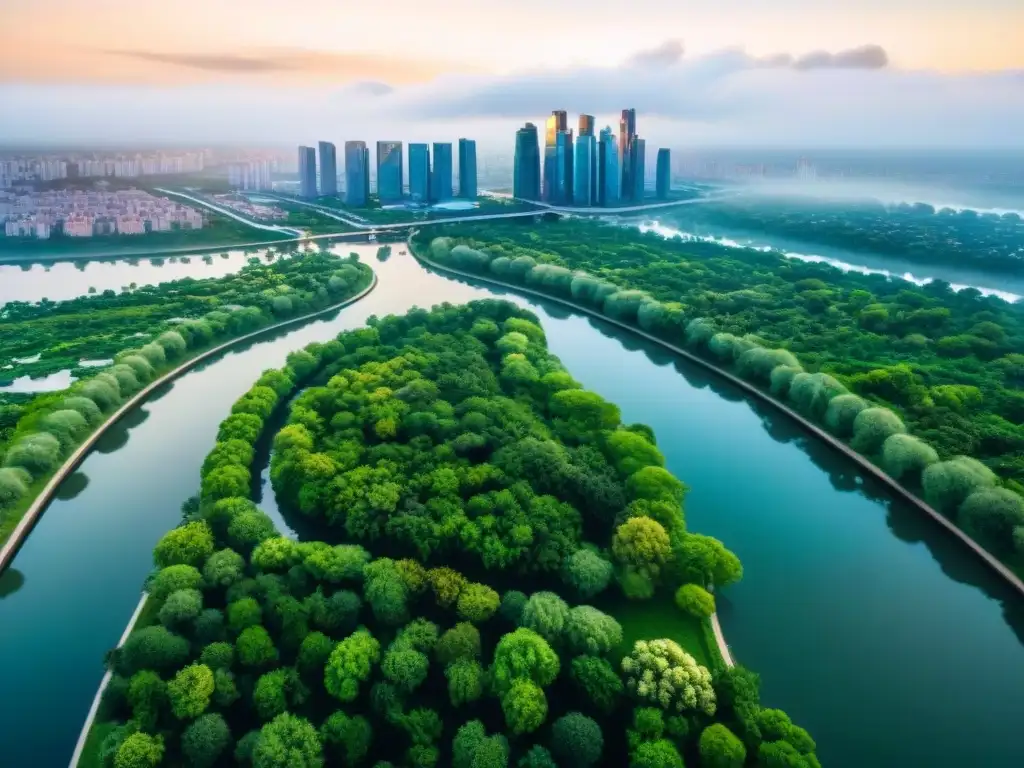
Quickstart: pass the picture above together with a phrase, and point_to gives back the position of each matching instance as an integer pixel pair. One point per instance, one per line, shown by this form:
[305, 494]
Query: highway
[232, 215]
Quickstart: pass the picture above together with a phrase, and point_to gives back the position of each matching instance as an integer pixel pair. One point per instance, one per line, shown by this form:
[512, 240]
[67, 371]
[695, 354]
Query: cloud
[211, 62]
[864, 57]
[665, 55]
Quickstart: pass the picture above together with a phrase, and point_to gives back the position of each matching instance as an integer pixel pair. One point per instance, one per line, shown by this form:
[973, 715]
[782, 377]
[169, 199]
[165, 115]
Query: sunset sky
[180, 68]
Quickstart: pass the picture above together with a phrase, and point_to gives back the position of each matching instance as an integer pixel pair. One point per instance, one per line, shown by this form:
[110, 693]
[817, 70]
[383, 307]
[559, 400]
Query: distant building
[419, 173]
[586, 125]
[526, 165]
[557, 123]
[563, 168]
[390, 175]
[637, 170]
[467, 169]
[663, 183]
[583, 171]
[805, 170]
[328, 169]
[307, 172]
[357, 173]
[441, 180]
[609, 179]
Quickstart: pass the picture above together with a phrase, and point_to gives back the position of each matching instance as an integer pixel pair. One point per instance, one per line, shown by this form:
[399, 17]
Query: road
[232, 215]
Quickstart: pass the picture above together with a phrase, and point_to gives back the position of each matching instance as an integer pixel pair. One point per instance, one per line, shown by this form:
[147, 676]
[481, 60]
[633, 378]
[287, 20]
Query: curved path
[750, 389]
[23, 528]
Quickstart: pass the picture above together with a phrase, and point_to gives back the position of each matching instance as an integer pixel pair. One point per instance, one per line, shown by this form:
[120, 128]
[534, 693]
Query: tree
[695, 600]
[576, 740]
[660, 753]
[338, 613]
[337, 564]
[405, 667]
[37, 454]
[190, 544]
[948, 483]
[587, 572]
[642, 546]
[140, 750]
[537, 757]
[872, 427]
[465, 681]
[993, 514]
[288, 741]
[151, 648]
[224, 568]
[174, 578]
[147, 696]
[513, 603]
[598, 681]
[630, 452]
[589, 630]
[842, 412]
[906, 456]
[218, 656]
[14, 483]
[244, 613]
[525, 706]
[523, 654]
[314, 652]
[460, 642]
[546, 614]
[181, 607]
[477, 602]
[720, 748]
[351, 663]
[254, 648]
[346, 738]
[661, 673]
[190, 691]
[205, 740]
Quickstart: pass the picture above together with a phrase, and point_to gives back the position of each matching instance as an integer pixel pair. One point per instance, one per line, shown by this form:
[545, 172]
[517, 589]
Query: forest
[473, 505]
[924, 381]
[144, 332]
[917, 233]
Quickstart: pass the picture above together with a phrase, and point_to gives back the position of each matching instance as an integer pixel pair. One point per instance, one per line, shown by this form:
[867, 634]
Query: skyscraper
[664, 173]
[390, 174]
[586, 126]
[357, 173]
[419, 173]
[638, 160]
[467, 169]
[627, 136]
[609, 178]
[328, 169]
[441, 180]
[563, 168]
[583, 171]
[307, 172]
[557, 123]
[526, 166]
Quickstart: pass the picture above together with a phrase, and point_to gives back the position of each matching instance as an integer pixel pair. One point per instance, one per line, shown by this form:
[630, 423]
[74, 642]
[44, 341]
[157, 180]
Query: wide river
[876, 631]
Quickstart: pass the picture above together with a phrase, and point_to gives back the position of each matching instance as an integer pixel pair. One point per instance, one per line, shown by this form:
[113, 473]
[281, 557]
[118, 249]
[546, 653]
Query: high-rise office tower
[664, 173]
[307, 172]
[357, 173]
[557, 123]
[637, 170]
[419, 172]
[328, 169]
[586, 125]
[526, 166]
[583, 171]
[563, 168]
[609, 179]
[441, 180]
[627, 136]
[390, 173]
[467, 169]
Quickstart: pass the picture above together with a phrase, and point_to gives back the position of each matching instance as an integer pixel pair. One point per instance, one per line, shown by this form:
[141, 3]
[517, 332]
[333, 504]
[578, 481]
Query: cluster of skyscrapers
[588, 170]
[430, 172]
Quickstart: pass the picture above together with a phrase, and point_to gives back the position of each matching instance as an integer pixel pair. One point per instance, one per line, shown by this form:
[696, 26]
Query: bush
[811, 393]
[576, 740]
[947, 484]
[591, 631]
[14, 482]
[759, 363]
[139, 366]
[525, 707]
[906, 456]
[102, 393]
[993, 514]
[782, 378]
[598, 681]
[84, 406]
[154, 354]
[546, 614]
[872, 427]
[841, 413]
[173, 343]
[661, 673]
[37, 454]
[719, 748]
[587, 573]
[205, 740]
[695, 600]
[699, 332]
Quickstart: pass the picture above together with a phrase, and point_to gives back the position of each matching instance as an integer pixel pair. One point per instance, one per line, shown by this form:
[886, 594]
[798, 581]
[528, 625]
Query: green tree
[190, 544]
[346, 738]
[205, 740]
[587, 573]
[190, 691]
[140, 750]
[695, 600]
[525, 706]
[465, 681]
[288, 741]
[477, 602]
[598, 681]
[720, 748]
[546, 614]
[405, 667]
[254, 648]
[351, 663]
[589, 630]
[460, 642]
[576, 740]
[523, 654]
[173, 578]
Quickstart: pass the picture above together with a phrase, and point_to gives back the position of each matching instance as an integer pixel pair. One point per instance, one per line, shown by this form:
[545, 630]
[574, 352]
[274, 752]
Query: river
[881, 635]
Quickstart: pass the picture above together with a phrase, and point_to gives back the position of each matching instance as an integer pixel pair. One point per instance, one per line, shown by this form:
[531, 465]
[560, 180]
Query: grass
[660, 618]
[91, 751]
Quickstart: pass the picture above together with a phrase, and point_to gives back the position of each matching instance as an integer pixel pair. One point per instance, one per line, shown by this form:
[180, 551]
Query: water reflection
[11, 581]
[116, 438]
[73, 486]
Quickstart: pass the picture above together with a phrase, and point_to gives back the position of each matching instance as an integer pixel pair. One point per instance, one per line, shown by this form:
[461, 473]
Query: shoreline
[866, 466]
[38, 506]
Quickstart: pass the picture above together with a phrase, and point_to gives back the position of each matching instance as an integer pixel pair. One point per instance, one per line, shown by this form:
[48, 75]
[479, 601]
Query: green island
[479, 520]
[923, 381]
[145, 333]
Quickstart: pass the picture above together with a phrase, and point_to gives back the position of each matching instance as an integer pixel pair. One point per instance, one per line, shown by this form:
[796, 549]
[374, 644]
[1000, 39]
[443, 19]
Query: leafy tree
[948, 483]
[255, 648]
[314, 652]
[587, 572]
[576, 740]
[460, 642]
[337, 564]
[546, 614]
[993, 514]
[525, 706]
[346, 738]
[477, 602]
[190, 691]
[906, 456]
[872, 427]
[37, 454]
[351, 663]
[140, 750]
[218, 656]
[523, 654]
[465, 681]
[223, 568]
[147, 696]
[512, 604]
[276, 691]
[151, 648]
[190, 544]
[405, 667]
[338, 613]
[181, 607]
[244, 613]
[695, 600]
[589, 630]
[537, 757]
[205, 740]
[661, 753]
[174, 578]
[598, 681]
[288, 741]
[661, 673]
[719, 748]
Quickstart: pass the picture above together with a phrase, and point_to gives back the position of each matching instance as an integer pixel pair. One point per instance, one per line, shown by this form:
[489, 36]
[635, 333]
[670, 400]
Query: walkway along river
[877, 631]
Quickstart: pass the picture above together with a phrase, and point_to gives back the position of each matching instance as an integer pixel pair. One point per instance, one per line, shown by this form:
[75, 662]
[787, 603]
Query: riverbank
[866, 466]
[39, 503]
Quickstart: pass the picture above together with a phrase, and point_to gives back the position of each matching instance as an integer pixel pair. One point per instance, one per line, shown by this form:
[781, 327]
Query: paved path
[723, 647]
[232, 214]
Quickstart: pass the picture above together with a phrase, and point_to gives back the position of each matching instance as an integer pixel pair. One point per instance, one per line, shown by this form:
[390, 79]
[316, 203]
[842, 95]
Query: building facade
[638, 169]
[390, 171]
[328, 169]
[563, 168]
[627, 151]
[307, 172]
[357, 173]
[663, 182]
[419, 173]
[526, 165]
[441, 180]
[584, 171]
[557, 122]
[609, 178]
[467, 169]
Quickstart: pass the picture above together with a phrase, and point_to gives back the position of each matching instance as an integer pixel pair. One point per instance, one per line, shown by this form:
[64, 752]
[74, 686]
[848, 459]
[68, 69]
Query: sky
[699, 72]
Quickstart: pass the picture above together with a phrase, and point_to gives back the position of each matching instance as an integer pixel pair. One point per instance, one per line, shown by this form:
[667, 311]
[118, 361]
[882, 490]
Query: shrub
[14, 482]
[546, 614]
[154, 353]
[525, 706]
[84, 406]
[948, 483]
[811, 393]
[67, 426]
[695, 600]
[587, 572]
[37, 454]
[591, 631]
[993, 514]
[841, 413]
[576, 740]
[759, 363]
[598, 681]
[205, 740]
[699, 332]
[872, 427]
[140, 366]
[782, 378]
[720, 748]
[661, 673]
[904, 455]
[100, 392]
[173, 343]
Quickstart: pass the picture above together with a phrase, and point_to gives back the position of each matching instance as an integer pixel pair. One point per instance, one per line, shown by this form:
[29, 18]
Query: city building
[563, 168]
[307, 172]
[582, 193]
[390, 172]
[586, 125]
[609, 179]
[526, 164]
[557, 122]
[328, 169]
[252, 176]
[627, 151]
[467, 169]
[663, 182]
[805, 170]
[357, 173]
[637, 170]
[419, 173]
[441, 180]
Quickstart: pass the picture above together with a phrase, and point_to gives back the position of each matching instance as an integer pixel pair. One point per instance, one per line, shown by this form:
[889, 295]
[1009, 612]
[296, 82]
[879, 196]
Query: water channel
[881, 635]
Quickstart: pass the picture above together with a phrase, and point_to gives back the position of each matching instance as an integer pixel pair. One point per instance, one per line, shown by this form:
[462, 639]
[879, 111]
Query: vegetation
[873, 360]
[145, 333]
[457, 472]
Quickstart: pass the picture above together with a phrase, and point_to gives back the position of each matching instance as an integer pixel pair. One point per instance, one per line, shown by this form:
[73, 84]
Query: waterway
[881, 635]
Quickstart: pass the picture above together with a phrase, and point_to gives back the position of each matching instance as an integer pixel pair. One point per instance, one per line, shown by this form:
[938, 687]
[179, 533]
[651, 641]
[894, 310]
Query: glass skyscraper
[627, 151]
[526, 166]
[584, 171]
[419, 173]
[664, 173]
[563, 169]
[608, 177]
[307, 172]
[638, 157]
[441, 181]
[586, 125]
[390, 173]
[467, 169]
[328, 169]
[357, 173]
[557, 123]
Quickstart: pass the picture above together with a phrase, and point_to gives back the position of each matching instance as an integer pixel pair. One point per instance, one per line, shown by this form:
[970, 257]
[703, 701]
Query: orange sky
[403, 41]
